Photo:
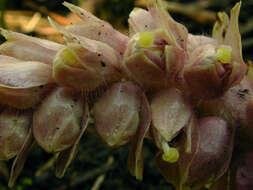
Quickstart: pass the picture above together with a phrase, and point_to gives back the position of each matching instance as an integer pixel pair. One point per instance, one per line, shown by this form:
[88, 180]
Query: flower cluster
[188, 93]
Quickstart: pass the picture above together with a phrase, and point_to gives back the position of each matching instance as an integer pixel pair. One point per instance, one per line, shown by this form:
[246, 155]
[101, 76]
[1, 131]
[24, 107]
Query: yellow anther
[210, 182]
[170, 154]
[136, 9]
[172, 157]
[69, 56]
[146, 39]
[224, 54]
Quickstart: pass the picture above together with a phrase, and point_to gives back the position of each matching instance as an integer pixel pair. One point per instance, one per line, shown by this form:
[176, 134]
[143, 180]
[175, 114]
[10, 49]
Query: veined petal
[116, 113]
[57, 121]
[28, 48]
[24, 84]
[144, 71]
[25, 74]
[103, 51]
[23, 98]
[100, 32]
[79, 68]
[170, 113]
[140, 20]
[214, 153]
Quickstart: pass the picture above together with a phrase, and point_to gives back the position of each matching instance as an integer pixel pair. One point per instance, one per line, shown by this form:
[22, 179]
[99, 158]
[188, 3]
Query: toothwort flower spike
[187, 92]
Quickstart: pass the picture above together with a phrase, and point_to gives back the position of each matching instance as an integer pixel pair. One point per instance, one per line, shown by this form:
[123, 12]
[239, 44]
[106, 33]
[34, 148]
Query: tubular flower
[127, 117]
[210, 158]
[87, 60]
[58, 124]
[14, 129]
[16, 139]
[96, 29]
[212, 67]
[155, 53]
[171, 115]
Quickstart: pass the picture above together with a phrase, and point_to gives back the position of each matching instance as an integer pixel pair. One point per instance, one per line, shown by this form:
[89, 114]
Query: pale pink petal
[176, 31]
[8, 59]
[170, 113]
[102, 31]
[25, 74]
[24, 84]
[28, 48]
[116, 113]
[80, 68]
[140, 20]
[145, 72]
[14, 127]
[57, 121]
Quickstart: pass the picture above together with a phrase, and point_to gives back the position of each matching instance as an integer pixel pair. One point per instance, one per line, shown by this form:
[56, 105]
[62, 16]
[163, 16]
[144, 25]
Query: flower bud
[170, 113]
[116, 113]
[214, 68]
[77, 67]
[151, 60]
[14, 127]
[212, 71]
[85, 64]
[214, 153]
[57, 121]
[155, 53]
[121, 115]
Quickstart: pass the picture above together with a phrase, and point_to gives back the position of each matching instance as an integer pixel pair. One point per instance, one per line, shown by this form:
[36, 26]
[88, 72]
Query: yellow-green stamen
[170, 154]
[136, 9]
[210, 182]
[69, 56]
[224, 54]
[146, 39]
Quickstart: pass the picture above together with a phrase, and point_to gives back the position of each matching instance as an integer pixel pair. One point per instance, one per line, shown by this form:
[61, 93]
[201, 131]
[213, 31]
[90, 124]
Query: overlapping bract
[151, 82]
